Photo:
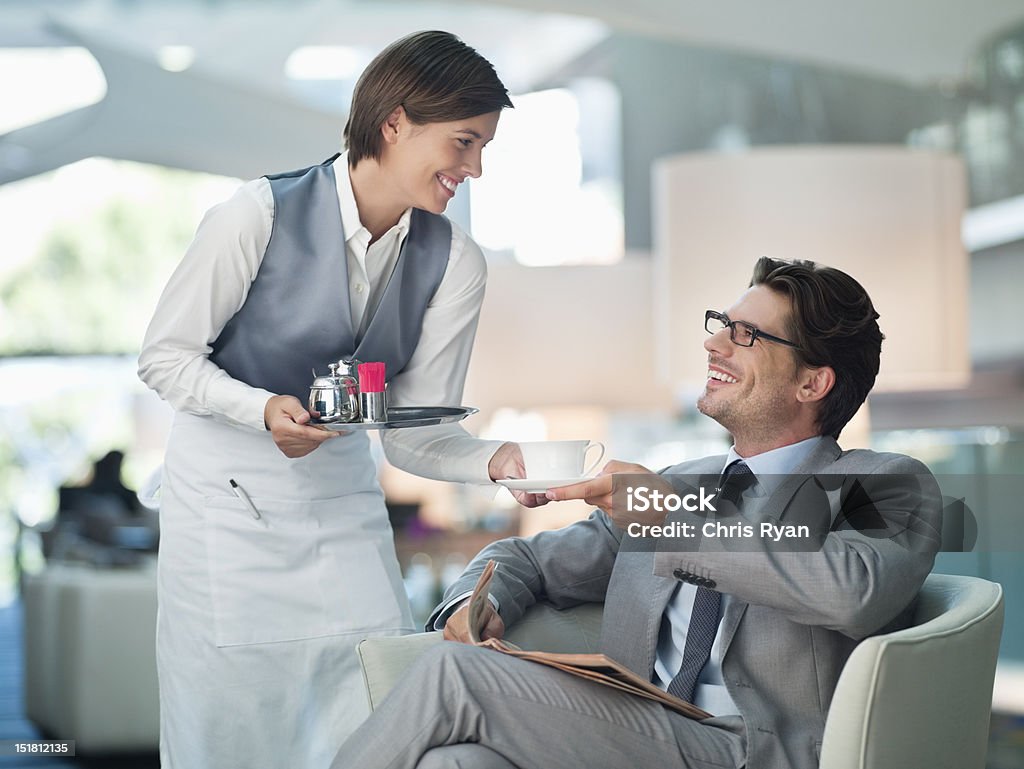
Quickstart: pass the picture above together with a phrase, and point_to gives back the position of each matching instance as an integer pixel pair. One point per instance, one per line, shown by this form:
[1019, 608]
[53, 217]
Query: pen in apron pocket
[240, 493]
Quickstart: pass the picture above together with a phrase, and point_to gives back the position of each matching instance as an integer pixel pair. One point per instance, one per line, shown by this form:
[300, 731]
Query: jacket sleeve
[565, 567]
[205, 291]
[436, 374]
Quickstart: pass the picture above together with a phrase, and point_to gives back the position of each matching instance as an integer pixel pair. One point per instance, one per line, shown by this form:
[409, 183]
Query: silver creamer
[335, 397]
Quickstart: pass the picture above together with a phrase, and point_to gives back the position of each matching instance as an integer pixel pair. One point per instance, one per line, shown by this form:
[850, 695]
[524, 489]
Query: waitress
[266, 584]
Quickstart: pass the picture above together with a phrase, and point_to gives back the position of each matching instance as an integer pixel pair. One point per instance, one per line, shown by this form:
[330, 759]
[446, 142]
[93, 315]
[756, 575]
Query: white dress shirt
[212, 282]
[710, 693]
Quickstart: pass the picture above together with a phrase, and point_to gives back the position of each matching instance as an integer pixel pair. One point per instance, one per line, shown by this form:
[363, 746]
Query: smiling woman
[425, 164]
[350, 258]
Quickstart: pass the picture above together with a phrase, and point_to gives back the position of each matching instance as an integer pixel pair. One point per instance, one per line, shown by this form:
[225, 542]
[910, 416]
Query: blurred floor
[1006, 741]
[1006, 745]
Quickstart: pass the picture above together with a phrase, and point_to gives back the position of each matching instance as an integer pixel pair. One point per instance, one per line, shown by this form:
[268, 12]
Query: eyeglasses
[740, 333]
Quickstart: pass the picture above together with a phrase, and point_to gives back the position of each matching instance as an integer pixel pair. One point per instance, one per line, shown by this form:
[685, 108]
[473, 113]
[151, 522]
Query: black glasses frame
[755, 332]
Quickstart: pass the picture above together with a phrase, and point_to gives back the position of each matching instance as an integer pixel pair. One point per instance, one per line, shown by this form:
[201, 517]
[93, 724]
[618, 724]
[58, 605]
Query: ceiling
[915, 40]
[235, 100]
[920, 41]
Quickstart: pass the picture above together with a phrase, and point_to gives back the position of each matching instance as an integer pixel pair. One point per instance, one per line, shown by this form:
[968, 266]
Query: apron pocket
[291, 575]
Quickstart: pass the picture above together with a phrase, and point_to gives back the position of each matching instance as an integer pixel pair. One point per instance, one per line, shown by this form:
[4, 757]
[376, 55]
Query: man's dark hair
[434, 76]
[835, 324]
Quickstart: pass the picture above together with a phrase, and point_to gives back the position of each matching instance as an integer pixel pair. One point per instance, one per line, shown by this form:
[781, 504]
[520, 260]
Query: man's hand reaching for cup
[608, 491]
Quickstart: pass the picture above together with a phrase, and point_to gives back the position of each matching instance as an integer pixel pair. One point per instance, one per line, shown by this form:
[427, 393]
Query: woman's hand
[507, 462]
[288, 422]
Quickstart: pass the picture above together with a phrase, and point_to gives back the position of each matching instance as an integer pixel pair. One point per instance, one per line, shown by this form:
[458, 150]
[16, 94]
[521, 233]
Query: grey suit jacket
[794, 617]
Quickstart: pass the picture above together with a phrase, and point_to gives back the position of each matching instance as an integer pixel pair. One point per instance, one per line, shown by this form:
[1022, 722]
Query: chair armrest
[384, 659]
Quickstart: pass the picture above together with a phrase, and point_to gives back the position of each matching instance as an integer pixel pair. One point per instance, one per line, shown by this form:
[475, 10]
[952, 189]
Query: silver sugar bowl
[336, 396]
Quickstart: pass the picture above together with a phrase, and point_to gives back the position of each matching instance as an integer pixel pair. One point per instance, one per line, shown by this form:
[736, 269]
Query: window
[551, 193]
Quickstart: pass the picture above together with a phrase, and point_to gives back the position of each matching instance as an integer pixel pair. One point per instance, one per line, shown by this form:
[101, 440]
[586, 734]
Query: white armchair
[919, 697]
[542, 627]
[90, 657]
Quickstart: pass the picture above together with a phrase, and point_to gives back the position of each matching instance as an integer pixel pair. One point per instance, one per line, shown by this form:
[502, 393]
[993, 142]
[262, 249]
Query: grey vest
[297, 315]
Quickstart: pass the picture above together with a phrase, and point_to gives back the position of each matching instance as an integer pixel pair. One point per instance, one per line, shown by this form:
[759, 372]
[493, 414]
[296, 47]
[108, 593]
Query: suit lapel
[660, 590]
[734, 610]
[708, 471]
[660, 594]
[820, 459]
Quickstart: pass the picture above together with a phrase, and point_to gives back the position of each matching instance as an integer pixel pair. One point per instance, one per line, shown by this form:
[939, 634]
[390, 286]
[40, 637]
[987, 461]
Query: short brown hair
[434, 76]
[835, 324]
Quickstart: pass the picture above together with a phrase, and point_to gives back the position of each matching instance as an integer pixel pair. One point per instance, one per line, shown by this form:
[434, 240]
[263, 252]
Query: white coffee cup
[559, 459]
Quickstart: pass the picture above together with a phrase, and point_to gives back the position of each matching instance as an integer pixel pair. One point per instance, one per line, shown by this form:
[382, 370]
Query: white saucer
[537, 486]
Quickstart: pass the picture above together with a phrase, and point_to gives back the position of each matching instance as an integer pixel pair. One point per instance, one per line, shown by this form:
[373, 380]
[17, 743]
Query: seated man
[753, 633]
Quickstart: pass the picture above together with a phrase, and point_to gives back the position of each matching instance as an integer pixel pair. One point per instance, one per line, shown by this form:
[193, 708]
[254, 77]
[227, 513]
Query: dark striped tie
[706, 604]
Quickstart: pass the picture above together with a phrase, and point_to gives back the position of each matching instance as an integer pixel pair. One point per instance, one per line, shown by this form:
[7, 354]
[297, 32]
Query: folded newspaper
[593, 667]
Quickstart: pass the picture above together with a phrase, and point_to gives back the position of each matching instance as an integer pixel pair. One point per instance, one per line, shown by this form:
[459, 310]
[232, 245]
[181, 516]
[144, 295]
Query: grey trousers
[462, 706]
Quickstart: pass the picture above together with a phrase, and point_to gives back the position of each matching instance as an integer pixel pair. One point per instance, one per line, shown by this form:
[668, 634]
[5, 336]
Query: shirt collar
[771, 466]
[350, 213]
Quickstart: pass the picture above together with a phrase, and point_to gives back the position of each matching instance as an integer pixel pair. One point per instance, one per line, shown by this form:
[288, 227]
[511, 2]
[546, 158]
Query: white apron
[258, 618]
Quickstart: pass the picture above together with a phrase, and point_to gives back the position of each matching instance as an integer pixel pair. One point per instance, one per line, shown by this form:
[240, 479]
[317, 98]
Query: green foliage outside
[89, 290]
[92, 286]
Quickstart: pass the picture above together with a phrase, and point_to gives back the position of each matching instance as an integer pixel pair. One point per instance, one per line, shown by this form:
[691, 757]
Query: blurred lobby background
[654, 152]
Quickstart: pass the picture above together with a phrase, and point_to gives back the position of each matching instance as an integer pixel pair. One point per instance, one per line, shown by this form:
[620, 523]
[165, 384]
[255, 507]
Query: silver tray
[407, 416]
